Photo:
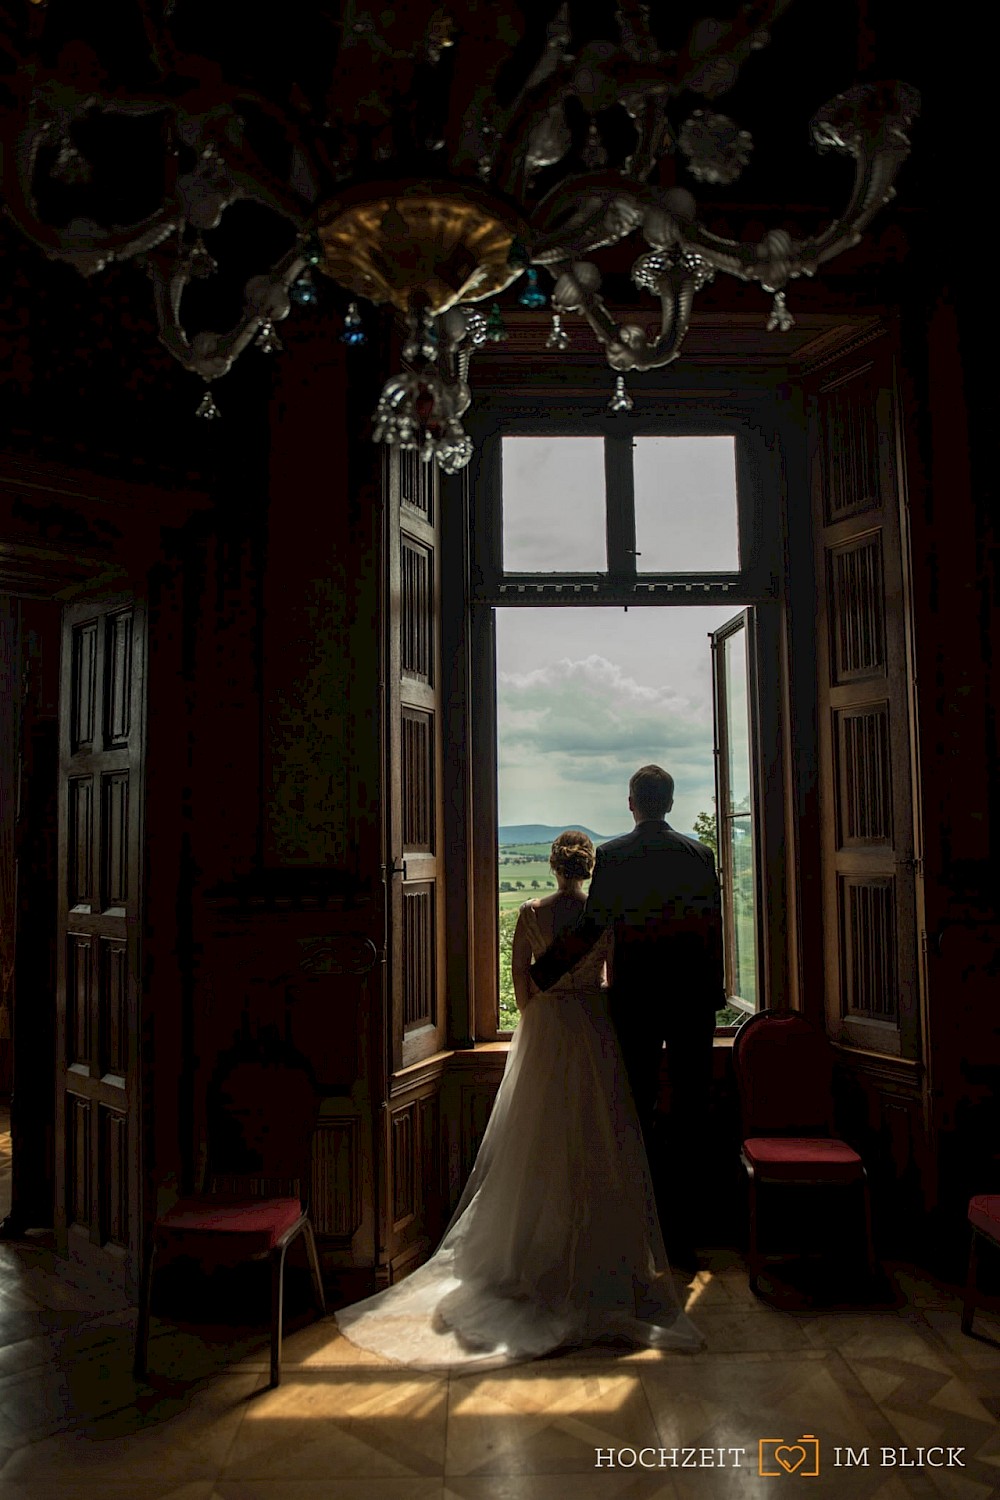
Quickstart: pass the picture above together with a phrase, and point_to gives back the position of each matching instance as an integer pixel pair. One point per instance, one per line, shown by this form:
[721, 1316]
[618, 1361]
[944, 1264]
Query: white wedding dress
[555, 1241]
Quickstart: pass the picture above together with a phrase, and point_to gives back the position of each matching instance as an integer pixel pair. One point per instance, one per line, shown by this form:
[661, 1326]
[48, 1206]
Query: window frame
[752, 422]
[621, 583]
[743, 621]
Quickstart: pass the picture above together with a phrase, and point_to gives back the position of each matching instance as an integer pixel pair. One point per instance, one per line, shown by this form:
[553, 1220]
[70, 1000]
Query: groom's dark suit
[659, 891]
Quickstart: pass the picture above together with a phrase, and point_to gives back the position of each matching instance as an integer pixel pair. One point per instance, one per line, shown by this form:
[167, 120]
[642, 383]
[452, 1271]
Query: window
[593, 527]
[567, 533]
[686, 518]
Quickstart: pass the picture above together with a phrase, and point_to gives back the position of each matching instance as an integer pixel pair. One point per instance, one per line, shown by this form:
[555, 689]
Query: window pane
[741, 865]
[737, 722]
[553, 505]
[685, 505]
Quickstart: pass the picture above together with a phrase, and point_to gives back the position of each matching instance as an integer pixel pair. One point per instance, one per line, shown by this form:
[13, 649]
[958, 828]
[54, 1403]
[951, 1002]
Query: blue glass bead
[532, 296]
[303, 292]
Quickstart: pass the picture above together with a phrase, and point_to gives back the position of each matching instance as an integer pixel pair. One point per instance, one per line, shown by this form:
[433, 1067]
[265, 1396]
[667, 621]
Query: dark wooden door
[410, 1196]
[101, 717]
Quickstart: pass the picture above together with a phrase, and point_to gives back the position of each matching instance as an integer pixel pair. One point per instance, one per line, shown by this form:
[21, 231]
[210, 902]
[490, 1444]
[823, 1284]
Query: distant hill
[543, 833]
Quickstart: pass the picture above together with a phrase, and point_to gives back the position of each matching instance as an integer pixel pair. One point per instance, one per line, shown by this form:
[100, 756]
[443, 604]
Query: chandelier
[424, 159]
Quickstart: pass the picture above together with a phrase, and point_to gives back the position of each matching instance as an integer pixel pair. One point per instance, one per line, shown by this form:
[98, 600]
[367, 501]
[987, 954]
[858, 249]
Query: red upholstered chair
[784, 1074]
[262, 1110]
[984, 1217]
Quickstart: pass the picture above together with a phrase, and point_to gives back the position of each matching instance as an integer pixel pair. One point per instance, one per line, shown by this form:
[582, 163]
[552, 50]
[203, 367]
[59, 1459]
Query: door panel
[410, 1196]
[866, 772]
[99, 914]
[413, 779]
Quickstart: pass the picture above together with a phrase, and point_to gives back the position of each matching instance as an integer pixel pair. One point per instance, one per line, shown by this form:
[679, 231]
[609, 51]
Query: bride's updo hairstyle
[572, 855]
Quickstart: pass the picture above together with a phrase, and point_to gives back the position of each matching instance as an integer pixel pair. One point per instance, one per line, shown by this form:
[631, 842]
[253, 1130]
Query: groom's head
[650, 793]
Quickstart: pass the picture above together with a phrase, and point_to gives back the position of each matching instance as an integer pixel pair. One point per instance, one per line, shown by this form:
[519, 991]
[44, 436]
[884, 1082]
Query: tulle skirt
[555, 1242]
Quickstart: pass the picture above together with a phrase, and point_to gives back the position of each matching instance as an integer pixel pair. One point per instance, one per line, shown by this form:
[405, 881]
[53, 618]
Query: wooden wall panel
[112, 1002]
[84, 695]
[79, 1004]
[80, 861]
[337, 1189]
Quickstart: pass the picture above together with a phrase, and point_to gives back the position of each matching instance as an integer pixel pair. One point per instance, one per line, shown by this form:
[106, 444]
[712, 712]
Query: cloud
[573, 731]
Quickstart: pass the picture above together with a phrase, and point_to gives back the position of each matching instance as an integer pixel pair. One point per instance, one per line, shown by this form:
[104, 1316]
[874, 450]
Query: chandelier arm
[632, 350]
[628, 347]
[654, 138]
[158, 39]
[790, 258]
[83, 243]
[88, 245]
[512, 131]
[212, 354]
[608, 210]
[633, 23]
[696, 60]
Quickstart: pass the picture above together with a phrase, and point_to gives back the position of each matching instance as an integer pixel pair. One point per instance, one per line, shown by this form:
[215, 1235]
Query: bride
[555, 1241]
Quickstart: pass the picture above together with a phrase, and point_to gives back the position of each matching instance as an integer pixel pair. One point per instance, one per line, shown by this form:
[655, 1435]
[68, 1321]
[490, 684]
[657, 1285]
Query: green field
[519, 866]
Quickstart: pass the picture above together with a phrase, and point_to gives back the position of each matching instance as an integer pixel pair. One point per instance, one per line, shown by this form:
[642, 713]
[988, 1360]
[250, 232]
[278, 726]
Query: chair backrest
[262, 1110]
[784, 1074]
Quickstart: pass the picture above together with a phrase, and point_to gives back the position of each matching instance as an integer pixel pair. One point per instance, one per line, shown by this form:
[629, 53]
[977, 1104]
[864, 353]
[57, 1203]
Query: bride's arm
[520, 962]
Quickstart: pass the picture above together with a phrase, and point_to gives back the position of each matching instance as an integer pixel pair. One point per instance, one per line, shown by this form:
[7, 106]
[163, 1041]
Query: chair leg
[869, 1241]
[317, 1277]
[277, 1312]
[753, 1252]
[971, 1279]
[142, 1325]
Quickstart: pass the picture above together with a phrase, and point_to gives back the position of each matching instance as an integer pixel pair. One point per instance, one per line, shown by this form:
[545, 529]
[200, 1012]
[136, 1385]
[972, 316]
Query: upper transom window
[662, 505]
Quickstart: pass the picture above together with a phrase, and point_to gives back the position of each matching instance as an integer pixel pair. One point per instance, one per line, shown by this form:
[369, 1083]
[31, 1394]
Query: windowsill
[502, 1043]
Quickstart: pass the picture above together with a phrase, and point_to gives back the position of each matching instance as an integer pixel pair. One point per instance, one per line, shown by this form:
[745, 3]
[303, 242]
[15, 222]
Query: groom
[660, 893]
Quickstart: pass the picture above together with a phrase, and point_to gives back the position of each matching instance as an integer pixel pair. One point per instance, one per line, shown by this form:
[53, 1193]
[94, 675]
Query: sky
[586, 695]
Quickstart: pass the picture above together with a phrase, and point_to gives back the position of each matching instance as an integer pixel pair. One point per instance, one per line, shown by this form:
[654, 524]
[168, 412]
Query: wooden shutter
[413, 774]
[101, 712]
[866, 770]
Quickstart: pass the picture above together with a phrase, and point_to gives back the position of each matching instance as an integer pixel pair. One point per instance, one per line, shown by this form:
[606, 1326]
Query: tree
[706, 830]
[534, 885]
[508, 1005]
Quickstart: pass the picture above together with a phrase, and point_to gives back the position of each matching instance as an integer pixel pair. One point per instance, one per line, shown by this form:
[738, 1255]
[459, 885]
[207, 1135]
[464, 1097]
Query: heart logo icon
[790, 1457]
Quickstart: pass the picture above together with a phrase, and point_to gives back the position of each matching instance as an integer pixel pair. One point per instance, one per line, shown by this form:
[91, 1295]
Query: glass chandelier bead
[558, 338]
[476, 327]
[532, 296]
[620, 400]
[207, 409]
[267, 340]
[302, 290]
[780, 319]
[496, 328]
[70, 166]
[312, 251]
[353, 333]
[517, 255]
[200, 263]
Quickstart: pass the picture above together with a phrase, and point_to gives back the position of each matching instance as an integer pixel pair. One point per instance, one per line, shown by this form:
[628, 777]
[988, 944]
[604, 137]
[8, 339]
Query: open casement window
[736, 802]
[412, 781]
[870, 855]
